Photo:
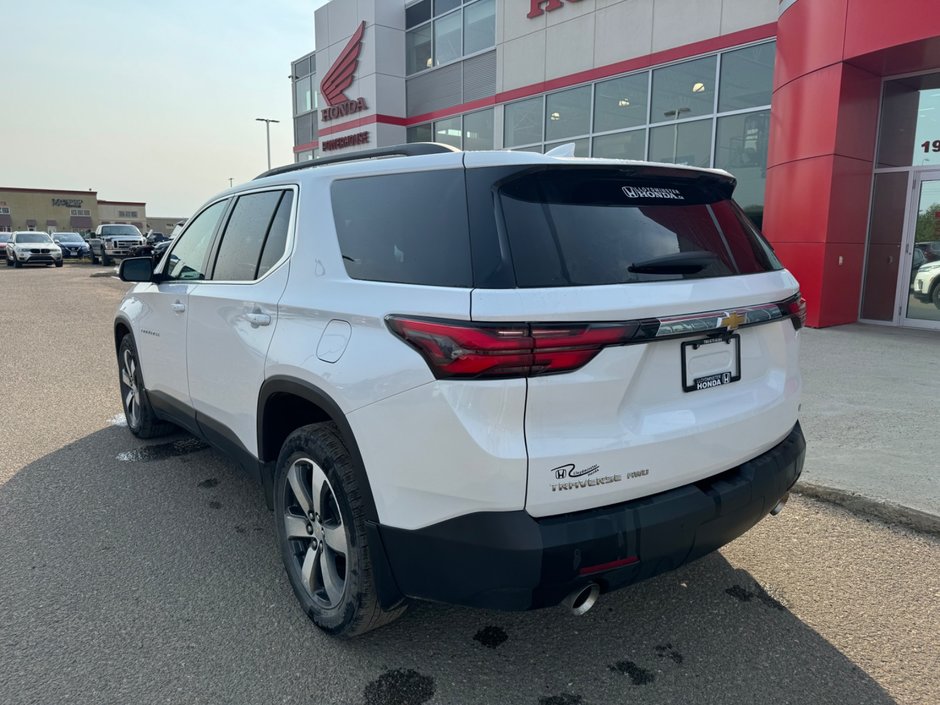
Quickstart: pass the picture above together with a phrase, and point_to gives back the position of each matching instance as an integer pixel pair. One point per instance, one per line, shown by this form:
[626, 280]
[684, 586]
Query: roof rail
[414, 149]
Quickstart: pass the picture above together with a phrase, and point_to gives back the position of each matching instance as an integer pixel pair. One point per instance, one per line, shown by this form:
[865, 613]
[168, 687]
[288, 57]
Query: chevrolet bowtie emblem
[732, 320]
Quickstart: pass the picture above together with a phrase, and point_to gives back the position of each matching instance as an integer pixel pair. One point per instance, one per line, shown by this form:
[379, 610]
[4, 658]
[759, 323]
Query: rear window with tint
[408, 228]
[579, 227]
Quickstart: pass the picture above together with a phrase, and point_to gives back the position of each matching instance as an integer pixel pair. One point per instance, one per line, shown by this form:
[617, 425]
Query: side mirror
[136, 269]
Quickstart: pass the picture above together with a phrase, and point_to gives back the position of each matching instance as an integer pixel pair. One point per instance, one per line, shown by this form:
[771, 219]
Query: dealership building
[826, 111]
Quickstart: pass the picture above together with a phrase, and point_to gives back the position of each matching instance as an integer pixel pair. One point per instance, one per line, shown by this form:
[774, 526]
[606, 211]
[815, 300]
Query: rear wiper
[679, 263]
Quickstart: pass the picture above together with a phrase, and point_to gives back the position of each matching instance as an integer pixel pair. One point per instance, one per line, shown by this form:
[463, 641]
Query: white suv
[497, 379]
[31, 247]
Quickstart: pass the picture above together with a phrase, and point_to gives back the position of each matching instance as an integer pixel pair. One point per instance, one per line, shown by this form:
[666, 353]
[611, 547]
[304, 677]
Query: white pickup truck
[113, 241]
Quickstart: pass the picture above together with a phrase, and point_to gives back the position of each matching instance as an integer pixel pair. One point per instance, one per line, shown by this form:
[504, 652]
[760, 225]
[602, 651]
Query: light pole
[267, 128]
[675, 129]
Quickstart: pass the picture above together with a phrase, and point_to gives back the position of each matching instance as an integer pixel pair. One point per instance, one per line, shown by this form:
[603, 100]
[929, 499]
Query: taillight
[514, 350]
[795, 307]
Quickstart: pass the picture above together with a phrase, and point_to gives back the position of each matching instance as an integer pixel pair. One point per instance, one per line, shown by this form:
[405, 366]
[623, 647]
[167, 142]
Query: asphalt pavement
[871, 412]
[148, 573]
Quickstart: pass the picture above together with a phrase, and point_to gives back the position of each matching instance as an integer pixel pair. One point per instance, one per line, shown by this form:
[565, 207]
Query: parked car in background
[114, 241]
[146, 249]
[930, 250]
[926, 284]
[180, 224]
[30, 247]
[72, 245]
[4, 239]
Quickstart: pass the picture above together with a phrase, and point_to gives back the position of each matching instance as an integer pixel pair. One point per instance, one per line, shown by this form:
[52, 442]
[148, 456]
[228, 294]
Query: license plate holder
[706, 367]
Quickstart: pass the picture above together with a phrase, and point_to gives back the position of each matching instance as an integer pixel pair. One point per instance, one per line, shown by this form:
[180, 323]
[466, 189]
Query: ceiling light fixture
[698, 87]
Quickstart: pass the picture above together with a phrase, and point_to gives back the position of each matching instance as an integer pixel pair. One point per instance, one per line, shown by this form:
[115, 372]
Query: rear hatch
[663, 330]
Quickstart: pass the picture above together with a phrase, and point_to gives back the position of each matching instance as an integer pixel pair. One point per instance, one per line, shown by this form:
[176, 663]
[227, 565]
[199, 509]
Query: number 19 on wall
[929, 146]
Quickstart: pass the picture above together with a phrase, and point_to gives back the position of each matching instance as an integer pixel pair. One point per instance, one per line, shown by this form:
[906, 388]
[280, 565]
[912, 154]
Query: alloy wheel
[315, 531]
[130, 389]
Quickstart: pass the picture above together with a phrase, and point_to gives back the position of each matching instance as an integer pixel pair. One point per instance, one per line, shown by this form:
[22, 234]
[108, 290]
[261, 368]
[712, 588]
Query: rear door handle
[179, 306]
[258, 319]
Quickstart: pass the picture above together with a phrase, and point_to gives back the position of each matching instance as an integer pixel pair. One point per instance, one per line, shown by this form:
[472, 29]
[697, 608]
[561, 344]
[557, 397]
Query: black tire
[94, 257]
[144, 423]
[58, 264]
[357, 611]
[105, 260]
[17, 264]
[9, 262]
[935, 295]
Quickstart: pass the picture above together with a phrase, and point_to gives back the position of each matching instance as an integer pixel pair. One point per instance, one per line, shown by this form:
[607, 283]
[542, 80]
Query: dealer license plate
[711, 362]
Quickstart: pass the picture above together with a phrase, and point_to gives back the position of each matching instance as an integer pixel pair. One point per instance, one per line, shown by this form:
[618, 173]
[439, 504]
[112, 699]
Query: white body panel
[160, 335]
[626, 413]
[226, 350]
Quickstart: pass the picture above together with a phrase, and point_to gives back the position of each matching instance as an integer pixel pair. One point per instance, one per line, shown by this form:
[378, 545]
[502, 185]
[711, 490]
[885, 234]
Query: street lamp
[267, 128]
[675, 129]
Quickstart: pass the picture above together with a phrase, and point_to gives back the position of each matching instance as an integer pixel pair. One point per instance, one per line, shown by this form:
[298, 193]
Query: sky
[147, 101]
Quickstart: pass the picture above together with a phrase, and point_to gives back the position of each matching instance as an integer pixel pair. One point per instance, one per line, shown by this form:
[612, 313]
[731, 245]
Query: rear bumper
[513, 561]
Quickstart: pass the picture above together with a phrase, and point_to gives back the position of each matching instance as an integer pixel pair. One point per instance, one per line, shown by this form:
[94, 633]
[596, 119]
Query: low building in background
[55, 210]
[129, 212]
[47, 209]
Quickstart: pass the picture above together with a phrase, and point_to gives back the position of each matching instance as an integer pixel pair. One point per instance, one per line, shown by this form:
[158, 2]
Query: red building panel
[806, 113]
[812, 32]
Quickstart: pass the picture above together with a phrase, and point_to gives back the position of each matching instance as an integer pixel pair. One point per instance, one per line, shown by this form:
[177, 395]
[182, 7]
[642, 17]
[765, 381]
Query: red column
[822, 139]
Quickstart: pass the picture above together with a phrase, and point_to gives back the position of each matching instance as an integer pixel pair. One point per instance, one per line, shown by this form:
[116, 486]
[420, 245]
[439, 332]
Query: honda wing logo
[340, 77]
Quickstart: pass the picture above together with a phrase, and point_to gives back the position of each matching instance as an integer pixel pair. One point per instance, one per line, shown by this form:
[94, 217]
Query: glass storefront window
[568, 113]
[303, 95]
[621, 145]
[910, 122]
[478, 130]
[523, 122]
[448, 131]
[620, 103]
[418, 49]
[684, 90]
[582, 147]
[442, 6]
[479, 26]
[687, 143]
[447, 43]
[417, 13]
[420, 133]
[747, 77]
[889, 201]
[741, 148]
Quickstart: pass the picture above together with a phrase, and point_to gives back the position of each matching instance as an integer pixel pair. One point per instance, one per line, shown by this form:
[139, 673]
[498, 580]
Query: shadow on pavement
[156, 578]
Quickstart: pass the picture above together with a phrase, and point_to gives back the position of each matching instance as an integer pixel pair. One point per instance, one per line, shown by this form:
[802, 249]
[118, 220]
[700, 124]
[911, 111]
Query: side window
[277, 235]
[188, 257]
[406, 228]
[237, 259]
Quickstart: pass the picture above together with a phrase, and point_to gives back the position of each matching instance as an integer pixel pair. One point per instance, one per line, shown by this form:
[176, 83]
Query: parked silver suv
[496, 379]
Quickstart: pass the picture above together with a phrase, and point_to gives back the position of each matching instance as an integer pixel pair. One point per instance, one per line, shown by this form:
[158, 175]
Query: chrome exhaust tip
[583, 599]
[778, 507]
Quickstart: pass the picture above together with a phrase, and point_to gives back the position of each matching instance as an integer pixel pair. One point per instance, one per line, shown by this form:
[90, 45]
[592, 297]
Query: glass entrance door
[919, 285]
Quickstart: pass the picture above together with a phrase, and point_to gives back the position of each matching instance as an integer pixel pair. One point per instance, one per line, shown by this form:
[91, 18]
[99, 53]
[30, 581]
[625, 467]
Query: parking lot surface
[870, 407]
[148, 572]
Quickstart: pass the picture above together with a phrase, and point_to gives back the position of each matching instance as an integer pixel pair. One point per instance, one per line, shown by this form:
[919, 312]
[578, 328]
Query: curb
[885, 511]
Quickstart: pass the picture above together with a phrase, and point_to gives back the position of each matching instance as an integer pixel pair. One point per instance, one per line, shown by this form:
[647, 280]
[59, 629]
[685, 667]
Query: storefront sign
[340, 77]
[347, 141]
[343, 109]
[67, 202]
[536, 7]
